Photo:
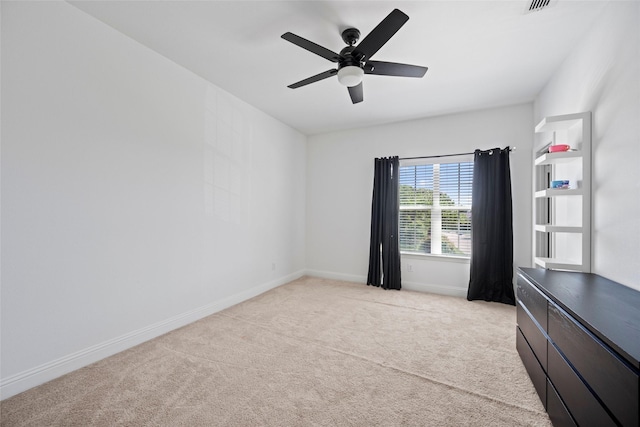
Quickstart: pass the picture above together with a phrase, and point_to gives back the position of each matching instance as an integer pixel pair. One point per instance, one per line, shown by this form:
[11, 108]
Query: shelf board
[558, 264]
[560, 157]
[564, 122]
[548, 228]
[554, 192]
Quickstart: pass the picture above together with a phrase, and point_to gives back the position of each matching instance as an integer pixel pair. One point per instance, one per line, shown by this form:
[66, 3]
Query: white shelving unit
[579, 127]
[555, 158]
[554, 192]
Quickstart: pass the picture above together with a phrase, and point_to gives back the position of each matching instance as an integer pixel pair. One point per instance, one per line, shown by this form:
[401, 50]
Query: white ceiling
[480, 54]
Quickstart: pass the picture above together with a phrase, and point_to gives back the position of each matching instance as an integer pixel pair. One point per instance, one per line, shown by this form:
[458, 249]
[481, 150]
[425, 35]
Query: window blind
[435, 208]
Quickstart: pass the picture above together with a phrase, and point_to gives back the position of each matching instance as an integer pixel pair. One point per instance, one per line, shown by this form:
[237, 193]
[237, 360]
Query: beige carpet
[313, 352]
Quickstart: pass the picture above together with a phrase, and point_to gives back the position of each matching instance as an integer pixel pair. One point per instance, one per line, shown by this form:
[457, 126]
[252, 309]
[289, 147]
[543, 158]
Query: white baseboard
[434, 289]
[410, 286]
[25, 380]
[336, 276]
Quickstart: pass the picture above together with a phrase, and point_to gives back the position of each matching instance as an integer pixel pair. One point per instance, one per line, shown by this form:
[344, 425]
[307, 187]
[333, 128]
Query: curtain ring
[491, 152]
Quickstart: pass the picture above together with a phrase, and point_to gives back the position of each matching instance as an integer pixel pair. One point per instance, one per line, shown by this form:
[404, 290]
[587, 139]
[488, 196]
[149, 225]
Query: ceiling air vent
[538, 5]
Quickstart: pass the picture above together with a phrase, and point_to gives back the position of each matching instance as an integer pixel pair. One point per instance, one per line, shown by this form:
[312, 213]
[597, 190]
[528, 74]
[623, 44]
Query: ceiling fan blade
[381, 34]
[311, 47]
[313, 79]
[394, 69]
[356, 93]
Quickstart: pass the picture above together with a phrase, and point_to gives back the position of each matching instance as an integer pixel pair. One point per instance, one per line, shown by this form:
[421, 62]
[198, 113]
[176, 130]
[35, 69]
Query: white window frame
[436, 209]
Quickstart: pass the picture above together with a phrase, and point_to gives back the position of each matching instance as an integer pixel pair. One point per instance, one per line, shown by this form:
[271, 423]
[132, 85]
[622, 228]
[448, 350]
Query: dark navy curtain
[384, 251]
[491, 228]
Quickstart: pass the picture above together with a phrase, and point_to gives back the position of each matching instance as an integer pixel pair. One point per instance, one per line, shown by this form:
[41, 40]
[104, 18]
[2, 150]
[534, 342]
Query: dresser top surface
[609, 310]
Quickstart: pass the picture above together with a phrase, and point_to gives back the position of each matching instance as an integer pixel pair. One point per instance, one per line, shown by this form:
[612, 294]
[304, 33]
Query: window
[435, 207]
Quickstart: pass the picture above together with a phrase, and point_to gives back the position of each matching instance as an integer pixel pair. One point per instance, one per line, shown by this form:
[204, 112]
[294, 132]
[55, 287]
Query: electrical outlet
[409, 268]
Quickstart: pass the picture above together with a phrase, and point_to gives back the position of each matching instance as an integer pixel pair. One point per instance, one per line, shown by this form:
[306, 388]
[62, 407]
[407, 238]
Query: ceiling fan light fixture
[350, 75]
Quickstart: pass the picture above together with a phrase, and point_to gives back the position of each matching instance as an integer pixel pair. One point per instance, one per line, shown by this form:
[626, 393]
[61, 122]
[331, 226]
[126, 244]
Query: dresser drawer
[535, 371]
[582, 404]
[534, 300]
[558, 413]
[534, 336]
[611, 380]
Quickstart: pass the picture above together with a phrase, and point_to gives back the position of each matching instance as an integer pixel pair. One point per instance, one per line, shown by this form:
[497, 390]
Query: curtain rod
[450, 155]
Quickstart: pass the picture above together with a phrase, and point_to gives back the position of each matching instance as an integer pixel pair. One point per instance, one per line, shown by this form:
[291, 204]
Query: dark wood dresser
[578, 335]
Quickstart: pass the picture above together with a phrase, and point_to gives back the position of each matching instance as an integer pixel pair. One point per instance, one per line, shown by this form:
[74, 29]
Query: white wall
[136, 197]
[602, 75]
[340, 183]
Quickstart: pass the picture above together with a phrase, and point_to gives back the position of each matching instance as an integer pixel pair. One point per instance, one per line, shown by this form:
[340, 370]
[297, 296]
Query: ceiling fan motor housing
[347, 58]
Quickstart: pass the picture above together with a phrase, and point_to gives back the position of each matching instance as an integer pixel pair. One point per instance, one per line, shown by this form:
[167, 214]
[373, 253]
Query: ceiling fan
[355, 61]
